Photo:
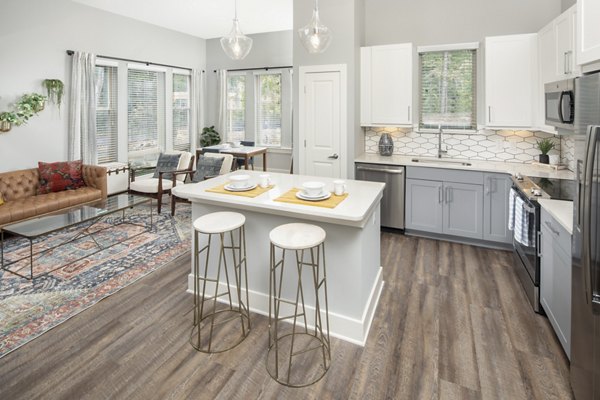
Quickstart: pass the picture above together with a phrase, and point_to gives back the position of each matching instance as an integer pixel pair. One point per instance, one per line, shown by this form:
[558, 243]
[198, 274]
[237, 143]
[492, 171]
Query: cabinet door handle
[408, 115]
[539, 243]
[565, 56]
[440, 197]
[448, 193]
[489, 113]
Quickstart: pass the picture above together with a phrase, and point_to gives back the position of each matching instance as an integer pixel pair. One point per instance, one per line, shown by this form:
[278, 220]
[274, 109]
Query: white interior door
[322, 121]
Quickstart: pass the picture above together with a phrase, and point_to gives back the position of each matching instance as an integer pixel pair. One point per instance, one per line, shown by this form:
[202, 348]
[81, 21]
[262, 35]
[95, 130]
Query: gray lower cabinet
[423, 210]
[463, 210]
[555, 278]
[495, 208]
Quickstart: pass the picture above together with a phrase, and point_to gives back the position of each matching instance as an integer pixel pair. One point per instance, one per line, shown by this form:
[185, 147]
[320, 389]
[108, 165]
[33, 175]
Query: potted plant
[55, 89]
[545, 145]
[209, 137]
[31, 103]
[7, 119]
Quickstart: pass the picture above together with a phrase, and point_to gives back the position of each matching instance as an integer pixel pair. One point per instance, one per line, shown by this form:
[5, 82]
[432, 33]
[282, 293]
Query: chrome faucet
[440, 141]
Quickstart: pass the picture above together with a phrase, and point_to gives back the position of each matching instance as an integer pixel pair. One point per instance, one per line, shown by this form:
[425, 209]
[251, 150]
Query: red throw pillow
[59, 176]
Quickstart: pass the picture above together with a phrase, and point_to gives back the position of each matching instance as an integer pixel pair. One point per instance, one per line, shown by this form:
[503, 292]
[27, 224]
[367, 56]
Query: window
[448, 87]
[106, 113]
[268, 109]
[145, 111]
[181, 112]
[236, 108]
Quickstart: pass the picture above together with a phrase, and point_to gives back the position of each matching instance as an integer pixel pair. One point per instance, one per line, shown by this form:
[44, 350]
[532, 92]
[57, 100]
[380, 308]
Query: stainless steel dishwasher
[392, 204]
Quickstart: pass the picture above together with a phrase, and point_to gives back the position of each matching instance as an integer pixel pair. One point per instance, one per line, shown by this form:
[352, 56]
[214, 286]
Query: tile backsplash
[510, 146]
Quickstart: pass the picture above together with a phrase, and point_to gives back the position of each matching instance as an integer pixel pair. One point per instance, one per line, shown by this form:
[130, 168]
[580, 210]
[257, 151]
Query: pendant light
[236, 45]
[315, 37]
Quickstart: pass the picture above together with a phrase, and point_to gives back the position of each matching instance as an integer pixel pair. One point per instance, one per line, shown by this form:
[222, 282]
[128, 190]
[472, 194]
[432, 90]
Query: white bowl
[225, 145]
[236, 144]
[312, 188]
[240, 181]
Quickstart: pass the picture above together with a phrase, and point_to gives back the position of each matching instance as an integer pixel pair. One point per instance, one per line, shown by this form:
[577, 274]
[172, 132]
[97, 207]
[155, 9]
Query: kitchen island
[352, 247]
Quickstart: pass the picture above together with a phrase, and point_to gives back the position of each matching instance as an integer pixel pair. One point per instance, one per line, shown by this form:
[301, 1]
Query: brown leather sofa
[21, 201]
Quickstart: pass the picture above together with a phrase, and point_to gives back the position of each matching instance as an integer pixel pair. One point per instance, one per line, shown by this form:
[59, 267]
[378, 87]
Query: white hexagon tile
[510, 146]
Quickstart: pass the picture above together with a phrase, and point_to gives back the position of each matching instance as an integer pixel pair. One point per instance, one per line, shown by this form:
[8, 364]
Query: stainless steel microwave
[560, 104]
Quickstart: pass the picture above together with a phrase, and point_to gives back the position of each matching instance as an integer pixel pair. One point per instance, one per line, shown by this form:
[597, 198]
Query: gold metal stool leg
[298, 357]
[217, 319]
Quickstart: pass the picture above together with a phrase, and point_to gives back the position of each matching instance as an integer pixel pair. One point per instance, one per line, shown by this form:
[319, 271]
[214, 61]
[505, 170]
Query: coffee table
[87, 216]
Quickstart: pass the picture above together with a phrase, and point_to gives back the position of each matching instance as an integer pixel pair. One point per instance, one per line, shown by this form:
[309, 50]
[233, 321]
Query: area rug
[28, 308]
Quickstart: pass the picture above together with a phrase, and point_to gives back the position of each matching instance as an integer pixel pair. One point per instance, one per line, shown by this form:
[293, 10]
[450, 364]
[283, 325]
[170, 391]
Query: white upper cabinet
[386, 85]
[556, 43]
[588, 31]
[511, 81]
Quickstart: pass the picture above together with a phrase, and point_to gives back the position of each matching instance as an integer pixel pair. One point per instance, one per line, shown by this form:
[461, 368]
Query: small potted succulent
[7, 119]
[209, 137]
[545, 145]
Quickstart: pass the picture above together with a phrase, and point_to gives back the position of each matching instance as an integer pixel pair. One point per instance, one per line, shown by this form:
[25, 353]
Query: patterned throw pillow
[59, 176]
[207, 166]
[166, 162]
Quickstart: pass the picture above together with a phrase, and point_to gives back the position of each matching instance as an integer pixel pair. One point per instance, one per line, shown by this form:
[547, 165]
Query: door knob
[334, 156]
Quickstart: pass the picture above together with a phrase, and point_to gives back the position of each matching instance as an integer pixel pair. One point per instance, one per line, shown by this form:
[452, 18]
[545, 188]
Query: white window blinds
[106, 114]
[268, 109]
[448, 87]
[181, 112]
[236, 108]
[145, 111]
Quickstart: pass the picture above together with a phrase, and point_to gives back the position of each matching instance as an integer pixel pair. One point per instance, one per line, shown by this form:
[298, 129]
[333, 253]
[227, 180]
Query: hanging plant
[55, 89]
[28, 106]
[7, 119]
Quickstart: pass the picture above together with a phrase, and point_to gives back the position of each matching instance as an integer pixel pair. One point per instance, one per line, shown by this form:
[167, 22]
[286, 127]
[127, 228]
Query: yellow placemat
[290, 197]
[257, 191]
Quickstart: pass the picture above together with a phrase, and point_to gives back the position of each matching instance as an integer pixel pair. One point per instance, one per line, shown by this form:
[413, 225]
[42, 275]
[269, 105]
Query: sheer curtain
[82, 109]
[198, 104]
[221, 126]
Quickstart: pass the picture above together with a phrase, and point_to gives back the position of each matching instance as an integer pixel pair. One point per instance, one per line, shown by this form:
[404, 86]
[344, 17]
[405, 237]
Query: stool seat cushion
[219, 222]
[297, 236]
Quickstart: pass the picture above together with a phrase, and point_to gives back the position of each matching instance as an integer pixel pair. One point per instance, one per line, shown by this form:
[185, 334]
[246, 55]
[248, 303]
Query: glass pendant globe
[236, 45]
[315, 37]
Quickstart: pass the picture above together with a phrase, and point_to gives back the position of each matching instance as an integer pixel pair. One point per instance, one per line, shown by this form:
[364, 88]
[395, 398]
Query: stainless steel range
[525, 222]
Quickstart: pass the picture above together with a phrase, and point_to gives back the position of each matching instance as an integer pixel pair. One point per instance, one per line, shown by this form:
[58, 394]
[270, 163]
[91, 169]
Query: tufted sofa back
[16, 185]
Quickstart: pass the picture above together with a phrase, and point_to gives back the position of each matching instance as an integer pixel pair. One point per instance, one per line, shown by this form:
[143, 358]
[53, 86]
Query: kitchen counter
[352, 246]
[476, 165]
[561, 210]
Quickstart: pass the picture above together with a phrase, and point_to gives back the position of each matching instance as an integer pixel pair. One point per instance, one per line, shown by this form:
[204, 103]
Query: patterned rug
[30, 308]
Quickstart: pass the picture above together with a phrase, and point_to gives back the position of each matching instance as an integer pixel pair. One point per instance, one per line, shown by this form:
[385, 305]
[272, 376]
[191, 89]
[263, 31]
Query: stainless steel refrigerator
[585, 293]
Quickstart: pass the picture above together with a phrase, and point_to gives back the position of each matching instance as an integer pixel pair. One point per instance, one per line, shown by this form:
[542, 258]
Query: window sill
[447, 131]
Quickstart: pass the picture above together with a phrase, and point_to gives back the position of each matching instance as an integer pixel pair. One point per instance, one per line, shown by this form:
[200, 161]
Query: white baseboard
[349, 329]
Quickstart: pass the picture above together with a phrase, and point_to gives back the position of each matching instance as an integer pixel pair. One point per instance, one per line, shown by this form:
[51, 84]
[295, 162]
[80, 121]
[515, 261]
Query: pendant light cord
[316, 5]
[235, 8]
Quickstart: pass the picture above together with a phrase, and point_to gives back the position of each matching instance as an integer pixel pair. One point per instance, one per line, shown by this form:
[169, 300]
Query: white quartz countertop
[476, 165]
[363, 198]
[561, 210]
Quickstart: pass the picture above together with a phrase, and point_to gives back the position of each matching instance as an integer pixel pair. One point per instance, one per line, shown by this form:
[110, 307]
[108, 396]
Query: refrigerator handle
[588, 177]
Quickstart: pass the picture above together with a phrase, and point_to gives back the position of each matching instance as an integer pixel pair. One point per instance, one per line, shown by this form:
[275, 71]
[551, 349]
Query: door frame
[308, 69]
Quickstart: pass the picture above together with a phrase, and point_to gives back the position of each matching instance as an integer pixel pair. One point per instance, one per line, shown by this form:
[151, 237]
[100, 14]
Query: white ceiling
[204, 18]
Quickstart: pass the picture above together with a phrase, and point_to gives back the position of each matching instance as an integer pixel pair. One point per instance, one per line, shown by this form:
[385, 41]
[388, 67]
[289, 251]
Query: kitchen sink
[441, 161]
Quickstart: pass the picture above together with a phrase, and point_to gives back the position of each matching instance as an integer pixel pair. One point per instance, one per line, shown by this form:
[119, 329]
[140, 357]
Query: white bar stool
[217, 319]
[290, 346]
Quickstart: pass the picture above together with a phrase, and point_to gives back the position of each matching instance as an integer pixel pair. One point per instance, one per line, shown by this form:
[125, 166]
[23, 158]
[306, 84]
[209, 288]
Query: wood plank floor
[452, 323]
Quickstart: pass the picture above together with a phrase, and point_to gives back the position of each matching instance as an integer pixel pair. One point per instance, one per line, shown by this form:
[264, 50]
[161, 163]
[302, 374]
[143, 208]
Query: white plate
[321, 197]
[238, 189]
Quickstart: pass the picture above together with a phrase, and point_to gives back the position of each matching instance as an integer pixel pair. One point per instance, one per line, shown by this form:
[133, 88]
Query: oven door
[528, 253]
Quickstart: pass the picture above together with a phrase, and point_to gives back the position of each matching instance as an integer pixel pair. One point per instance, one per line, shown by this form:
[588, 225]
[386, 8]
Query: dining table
[243, 152]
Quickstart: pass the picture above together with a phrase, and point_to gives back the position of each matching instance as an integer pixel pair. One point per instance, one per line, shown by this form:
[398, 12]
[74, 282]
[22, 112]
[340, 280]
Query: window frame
[475, 90]
[256, 77]
[110, 157]
[226, 136]
[189, 108]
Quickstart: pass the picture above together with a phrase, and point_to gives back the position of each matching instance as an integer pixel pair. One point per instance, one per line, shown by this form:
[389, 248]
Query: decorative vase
[386, 145]
[544, 159]
[5, 126]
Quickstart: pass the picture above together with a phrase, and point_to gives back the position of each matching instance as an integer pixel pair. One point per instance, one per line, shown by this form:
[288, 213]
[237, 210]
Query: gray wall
[272, 49]
[37, 33]
[345, 19]
[427, 22]
[566, 4]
